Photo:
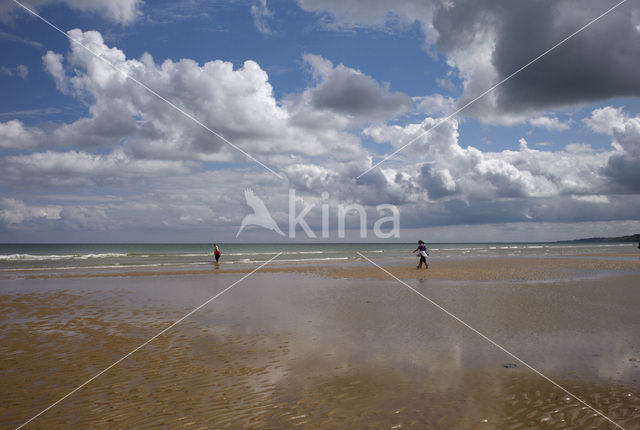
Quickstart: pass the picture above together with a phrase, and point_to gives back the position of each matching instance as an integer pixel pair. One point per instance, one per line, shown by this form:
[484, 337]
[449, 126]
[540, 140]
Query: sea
[103, 256]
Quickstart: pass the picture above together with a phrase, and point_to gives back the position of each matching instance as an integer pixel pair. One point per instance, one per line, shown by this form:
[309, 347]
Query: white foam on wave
[104, 255]
[31, 257]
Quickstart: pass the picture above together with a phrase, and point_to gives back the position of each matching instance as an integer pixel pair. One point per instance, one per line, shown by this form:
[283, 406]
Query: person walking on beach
[216, 252]
[422, 251]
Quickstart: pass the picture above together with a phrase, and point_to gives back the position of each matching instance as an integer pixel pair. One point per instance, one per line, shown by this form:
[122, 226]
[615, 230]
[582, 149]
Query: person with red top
[216, 252]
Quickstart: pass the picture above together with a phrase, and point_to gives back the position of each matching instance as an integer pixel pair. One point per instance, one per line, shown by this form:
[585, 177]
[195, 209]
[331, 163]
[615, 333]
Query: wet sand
[338, 346]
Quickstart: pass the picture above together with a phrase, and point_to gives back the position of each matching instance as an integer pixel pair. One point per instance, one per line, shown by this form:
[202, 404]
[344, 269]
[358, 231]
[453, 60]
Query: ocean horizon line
[209, 243]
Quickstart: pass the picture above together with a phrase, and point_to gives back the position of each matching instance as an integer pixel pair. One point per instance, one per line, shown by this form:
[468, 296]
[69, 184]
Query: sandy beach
[331, 346]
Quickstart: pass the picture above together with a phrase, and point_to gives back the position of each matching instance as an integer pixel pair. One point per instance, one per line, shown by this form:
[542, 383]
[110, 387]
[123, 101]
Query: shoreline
[160, 257]
[461, 268]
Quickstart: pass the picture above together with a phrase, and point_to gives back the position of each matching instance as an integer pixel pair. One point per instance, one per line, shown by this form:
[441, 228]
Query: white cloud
[82, 168]
[440, 140]
[14, 212]
[453, 172]
[20, 71]
[435, 104]
[623, 167]
[121, 11]
[261, 15]
[53, 65]
[85, 218]
[238, 103]
[551, 124]
[624, 130]
[598, 199]
[133, 141]
[13, 134]
[18, 215]
[310, 176]
[606, 119]
[578, 148]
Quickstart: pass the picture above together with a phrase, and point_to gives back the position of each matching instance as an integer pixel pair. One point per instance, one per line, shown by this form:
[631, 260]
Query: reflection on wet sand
[287, 349]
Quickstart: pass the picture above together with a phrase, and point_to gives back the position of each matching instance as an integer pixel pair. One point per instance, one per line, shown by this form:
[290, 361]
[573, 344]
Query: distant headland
[632, 238]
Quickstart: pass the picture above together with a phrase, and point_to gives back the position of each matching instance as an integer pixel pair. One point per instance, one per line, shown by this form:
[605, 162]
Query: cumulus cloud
[14, 134]
[52, 63]
[309, 177]
[350, 92]
[606, 120]
[14, 212]
[17, 215]
[131, 139]
[435, 104]
[441, 139]
[623, 167]
[133, 145]
[306, 134]
[85, 218]
[549, 123]
[121, 11]
[469, 174]
[237, 103]
[438, 181]
[485, 41]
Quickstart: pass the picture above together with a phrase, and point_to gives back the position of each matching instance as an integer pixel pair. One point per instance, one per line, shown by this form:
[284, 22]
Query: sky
[146, 121]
